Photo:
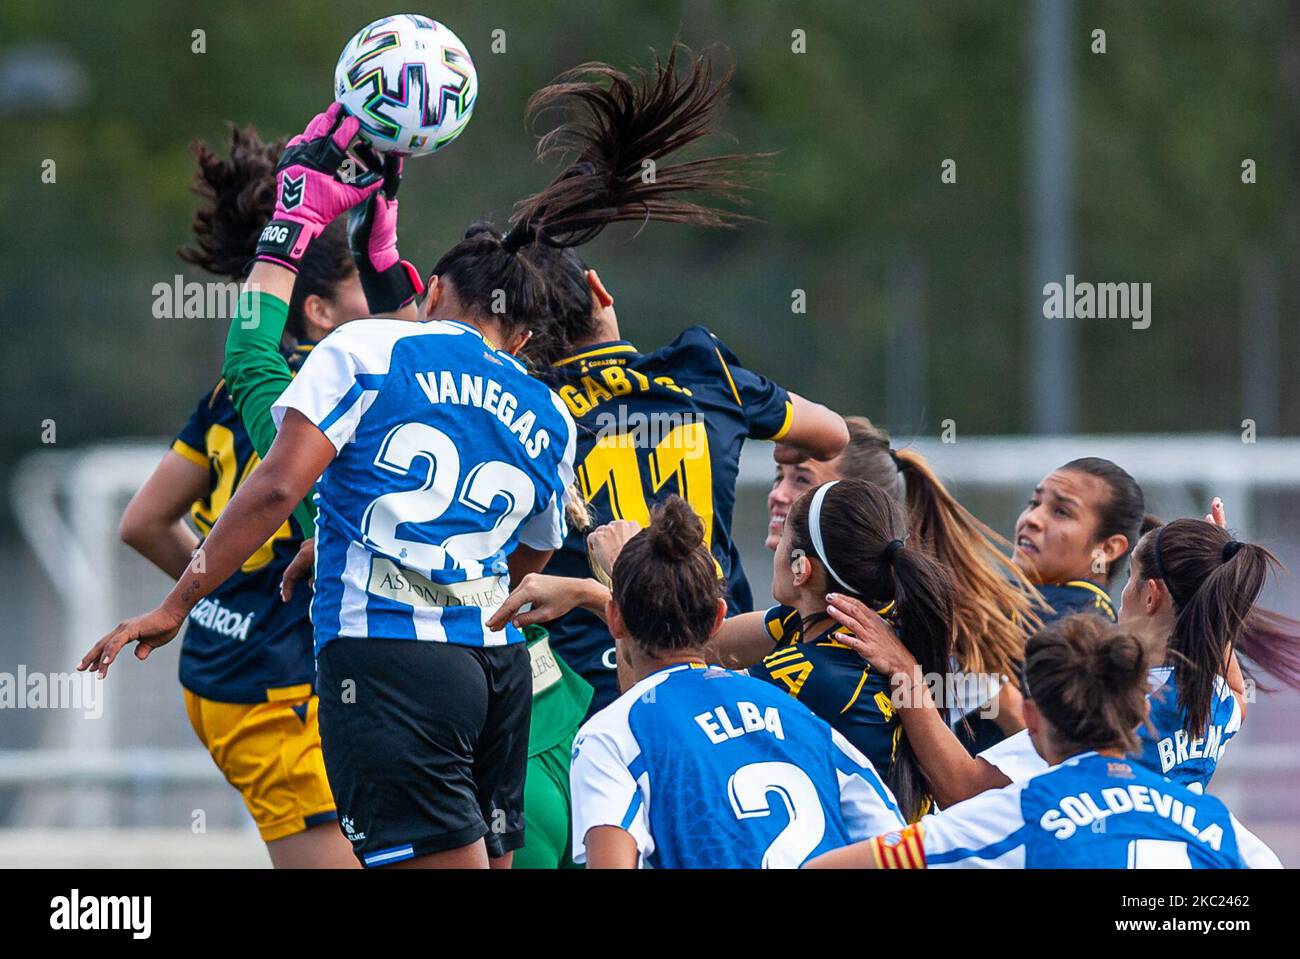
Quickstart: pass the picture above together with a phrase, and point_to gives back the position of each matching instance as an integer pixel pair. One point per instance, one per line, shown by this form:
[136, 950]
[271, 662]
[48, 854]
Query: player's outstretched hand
[148, 632]
[872, 638]
[604, 543]
[1217, 515]
[315, 181]
[551, 597]
[299, 569]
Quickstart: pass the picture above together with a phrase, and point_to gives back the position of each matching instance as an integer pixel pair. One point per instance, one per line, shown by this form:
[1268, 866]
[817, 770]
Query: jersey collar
[597, 350]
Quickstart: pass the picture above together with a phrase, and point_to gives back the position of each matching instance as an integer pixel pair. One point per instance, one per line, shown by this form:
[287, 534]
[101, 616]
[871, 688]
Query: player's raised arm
[309, 196]
[815, 432]
[153, 524]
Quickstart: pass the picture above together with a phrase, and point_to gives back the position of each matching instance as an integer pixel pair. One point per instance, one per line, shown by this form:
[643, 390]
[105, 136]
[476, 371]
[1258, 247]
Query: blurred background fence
[119, 779]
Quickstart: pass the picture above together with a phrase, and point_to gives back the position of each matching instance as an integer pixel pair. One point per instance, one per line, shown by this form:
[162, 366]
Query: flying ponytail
[618, 128]
[995, 607]
[237, 194]
[1215, 584]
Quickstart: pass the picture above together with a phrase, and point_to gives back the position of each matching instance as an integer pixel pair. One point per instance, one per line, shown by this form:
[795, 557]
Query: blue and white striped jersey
[449, 456]
[1166, 747]
[1089, 812]
[711, 769]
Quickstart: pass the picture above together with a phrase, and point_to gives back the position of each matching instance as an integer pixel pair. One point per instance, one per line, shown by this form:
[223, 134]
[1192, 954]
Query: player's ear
[719, 614]
[1033, 718]
[1153, 593]
[432, 294]
[1110, 549]
[602, 295]
[800, 567]
[316, 310]
[519, 341]
[614, 619]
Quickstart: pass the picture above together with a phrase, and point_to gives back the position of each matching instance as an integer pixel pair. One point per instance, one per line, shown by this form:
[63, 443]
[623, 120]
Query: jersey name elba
[449, 456]
[1090, 812]
[707, 768]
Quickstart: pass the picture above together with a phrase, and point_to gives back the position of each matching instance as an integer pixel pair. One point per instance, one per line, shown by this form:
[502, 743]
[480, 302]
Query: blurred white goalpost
[138, 767]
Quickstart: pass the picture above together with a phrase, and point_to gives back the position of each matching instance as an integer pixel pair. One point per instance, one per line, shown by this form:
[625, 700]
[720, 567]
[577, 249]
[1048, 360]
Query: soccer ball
[410, 82]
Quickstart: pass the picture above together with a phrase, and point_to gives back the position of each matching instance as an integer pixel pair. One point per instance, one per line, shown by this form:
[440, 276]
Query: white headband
[815, 531]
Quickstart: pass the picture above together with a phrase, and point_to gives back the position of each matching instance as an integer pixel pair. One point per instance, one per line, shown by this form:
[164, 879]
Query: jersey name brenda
[717, 725]
[1075, 812]
[443, 387]
[1181, 747]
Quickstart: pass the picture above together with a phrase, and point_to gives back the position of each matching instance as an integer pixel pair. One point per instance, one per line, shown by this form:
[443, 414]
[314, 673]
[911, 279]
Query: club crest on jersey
[292, 191]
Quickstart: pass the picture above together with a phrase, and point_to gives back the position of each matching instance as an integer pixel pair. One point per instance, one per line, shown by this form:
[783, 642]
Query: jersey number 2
[750, 789]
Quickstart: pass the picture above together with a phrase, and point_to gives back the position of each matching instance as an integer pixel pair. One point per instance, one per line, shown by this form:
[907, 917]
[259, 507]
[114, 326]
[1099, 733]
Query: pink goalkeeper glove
[311, 191]
[388, 281]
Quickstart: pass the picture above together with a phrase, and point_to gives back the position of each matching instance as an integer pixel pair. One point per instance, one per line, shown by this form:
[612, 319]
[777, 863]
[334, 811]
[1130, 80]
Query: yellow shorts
[271, 753]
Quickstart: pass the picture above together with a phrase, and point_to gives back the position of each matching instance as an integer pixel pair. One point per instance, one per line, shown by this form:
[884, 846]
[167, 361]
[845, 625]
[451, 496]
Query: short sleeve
[781, 622]
[1015, 757]
[987, 831]
[867, 805]
[192, 441]
[1254, 854]
[330, 390]
[547, 528]
[605, 793]
[766, 406]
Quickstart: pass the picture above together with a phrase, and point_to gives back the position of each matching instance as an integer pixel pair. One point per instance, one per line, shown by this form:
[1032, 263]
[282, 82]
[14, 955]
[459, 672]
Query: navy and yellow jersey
[1076, 596]
[242, 643]
[650, 425]
[833, 681]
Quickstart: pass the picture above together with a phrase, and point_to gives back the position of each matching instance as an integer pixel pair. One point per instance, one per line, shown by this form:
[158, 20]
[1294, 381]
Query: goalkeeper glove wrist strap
[387, 291]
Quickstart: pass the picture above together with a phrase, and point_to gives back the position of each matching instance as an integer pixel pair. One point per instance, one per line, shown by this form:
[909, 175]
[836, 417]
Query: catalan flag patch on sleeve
[901, 849]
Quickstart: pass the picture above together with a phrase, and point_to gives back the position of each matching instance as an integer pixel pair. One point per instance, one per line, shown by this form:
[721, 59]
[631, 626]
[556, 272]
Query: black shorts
[425, 744]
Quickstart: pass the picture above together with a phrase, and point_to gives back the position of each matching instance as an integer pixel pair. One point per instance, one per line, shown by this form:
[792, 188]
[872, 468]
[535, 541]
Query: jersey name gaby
[444, 387]
[717, 725]
[1073, 812]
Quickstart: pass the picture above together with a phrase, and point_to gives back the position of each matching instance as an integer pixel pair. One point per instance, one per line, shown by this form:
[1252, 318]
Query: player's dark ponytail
[665, 581]
[616, 127]
[1215, 583]
[864, 540]
[1088, 678]
[238, 197]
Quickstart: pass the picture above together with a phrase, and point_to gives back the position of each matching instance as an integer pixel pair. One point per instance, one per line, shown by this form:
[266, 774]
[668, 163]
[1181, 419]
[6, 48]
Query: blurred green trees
[861, 123]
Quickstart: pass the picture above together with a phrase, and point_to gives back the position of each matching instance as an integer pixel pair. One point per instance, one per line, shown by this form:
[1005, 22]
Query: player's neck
[605, 331]
[644, 664]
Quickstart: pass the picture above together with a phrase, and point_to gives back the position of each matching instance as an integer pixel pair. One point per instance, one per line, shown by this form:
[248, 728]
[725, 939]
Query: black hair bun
[1118, 661]
[675, 531]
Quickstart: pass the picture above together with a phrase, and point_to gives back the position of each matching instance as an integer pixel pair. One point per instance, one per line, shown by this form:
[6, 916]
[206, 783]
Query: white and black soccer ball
[410, 81]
